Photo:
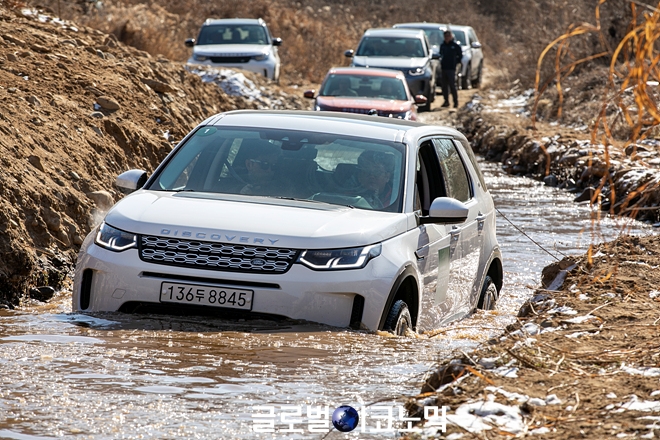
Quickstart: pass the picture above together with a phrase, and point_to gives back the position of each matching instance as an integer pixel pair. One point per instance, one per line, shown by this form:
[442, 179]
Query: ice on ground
[481, 416]
[508, 372]
[579, 334]
[634, 404]
[582, 319]
[642, 371]
[552, 399]
[235, 83]
[520, 398]
[562, 310]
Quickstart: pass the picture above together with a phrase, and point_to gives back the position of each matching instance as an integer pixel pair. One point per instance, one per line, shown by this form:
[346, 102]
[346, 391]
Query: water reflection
[118, 376]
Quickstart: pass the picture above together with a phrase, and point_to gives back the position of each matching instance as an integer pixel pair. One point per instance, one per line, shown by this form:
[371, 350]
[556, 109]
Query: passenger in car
[255, 167]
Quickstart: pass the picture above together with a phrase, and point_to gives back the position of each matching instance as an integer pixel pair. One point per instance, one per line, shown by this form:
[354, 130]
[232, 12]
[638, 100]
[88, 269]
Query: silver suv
[239, 43]
[347, 220]
[471, 71]
[400, 49]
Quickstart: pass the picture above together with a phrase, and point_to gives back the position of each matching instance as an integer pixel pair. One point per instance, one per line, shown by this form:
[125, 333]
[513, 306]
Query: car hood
[230, 49]
[277, 223]
[399, 63]
[384, 105]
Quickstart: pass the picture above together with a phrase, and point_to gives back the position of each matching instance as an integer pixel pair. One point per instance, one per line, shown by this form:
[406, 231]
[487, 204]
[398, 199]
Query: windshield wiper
[309, 200]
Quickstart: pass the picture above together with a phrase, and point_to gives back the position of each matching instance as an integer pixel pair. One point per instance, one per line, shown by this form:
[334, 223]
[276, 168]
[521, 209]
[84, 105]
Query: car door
[469, 235]
[477, 53]
[437, 249]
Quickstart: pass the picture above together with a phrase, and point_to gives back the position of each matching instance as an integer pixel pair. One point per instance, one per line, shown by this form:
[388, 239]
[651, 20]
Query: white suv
[240, 43]
[347, 220]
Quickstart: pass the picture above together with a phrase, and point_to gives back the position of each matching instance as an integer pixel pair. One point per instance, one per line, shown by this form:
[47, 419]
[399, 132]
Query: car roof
[425, 25]
[367, 71]
[392, 32]
[419, 25]
[375, 127]
[211, 21]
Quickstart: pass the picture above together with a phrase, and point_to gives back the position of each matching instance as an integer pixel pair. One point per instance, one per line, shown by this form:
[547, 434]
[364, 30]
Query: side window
[428, 182]
[473, 160]
[473, 36]
[455, 177]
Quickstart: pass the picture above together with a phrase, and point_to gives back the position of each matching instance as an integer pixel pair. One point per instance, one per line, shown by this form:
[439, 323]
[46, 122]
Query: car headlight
[340, 259]
[416, 72]
[114, 239]
[401, 115]
[200, 57]
[261, 56]
[317, 108]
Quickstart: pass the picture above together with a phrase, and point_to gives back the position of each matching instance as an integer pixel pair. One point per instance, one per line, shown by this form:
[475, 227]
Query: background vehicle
[240, 43]
[323, 216]
[471, 72]
[372, 91]
[406, 50]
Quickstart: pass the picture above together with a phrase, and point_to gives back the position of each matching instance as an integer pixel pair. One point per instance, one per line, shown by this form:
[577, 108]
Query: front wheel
[489, 295]
[398, 320]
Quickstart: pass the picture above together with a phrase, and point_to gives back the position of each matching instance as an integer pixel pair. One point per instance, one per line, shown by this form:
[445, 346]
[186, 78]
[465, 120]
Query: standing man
[451, 54]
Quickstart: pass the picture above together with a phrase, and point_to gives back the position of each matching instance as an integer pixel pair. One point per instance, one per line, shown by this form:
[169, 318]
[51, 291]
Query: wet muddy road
[115, 376]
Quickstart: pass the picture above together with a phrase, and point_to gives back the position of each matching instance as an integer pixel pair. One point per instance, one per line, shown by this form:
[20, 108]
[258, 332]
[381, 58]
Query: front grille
[230, 60]
[215, 256]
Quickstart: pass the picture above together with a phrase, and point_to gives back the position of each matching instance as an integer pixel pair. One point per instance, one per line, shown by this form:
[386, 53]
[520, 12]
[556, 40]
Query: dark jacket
[451, 55]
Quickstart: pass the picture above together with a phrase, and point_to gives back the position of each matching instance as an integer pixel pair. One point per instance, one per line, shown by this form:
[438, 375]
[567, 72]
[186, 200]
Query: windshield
[391, 47]
[233, 34]
[459, 36]
[317, 167]
[365, 86]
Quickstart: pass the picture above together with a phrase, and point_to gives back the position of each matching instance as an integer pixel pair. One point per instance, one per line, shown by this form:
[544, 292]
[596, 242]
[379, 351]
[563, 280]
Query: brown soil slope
[76, 109]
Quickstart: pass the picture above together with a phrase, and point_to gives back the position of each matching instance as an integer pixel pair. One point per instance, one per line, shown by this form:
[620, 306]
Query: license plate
[215, 296]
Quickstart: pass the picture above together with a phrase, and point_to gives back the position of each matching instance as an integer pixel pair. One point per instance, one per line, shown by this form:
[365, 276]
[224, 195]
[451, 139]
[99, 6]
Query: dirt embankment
[76, 109]
[581, 362]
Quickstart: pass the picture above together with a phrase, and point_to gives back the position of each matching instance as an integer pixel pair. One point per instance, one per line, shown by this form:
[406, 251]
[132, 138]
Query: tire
[476, 83]
[398, 320]
[489, 295]
[465, 79]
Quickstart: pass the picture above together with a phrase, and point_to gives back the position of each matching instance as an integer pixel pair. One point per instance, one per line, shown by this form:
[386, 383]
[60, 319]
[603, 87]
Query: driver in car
[374, 178]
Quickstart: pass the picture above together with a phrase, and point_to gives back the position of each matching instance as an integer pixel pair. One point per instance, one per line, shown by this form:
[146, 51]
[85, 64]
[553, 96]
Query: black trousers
[449, 83]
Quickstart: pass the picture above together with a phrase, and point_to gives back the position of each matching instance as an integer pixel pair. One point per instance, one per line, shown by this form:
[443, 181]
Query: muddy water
[115, 376]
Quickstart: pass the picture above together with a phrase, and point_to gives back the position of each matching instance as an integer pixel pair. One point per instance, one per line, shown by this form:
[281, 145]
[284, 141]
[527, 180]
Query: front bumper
[117, 278]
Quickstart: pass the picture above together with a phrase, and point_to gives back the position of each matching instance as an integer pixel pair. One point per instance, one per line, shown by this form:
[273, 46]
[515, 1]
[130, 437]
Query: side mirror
[446, 210]
[349, 53]
[131, 180]
[190, 42]
[309, 94]
[277, 41]
[475, 45]
[435, 55]
[420, 99]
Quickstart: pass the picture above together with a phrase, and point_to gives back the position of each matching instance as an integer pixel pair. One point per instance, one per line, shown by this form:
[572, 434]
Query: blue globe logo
[345, 418]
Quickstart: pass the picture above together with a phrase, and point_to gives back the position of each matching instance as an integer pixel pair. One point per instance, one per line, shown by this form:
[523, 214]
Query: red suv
[381, 92]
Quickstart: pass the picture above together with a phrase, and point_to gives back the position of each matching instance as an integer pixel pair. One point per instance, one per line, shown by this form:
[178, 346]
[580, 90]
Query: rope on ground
[530, 238]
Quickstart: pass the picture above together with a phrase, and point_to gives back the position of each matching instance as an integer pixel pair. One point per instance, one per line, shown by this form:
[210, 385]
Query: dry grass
[630, 97]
